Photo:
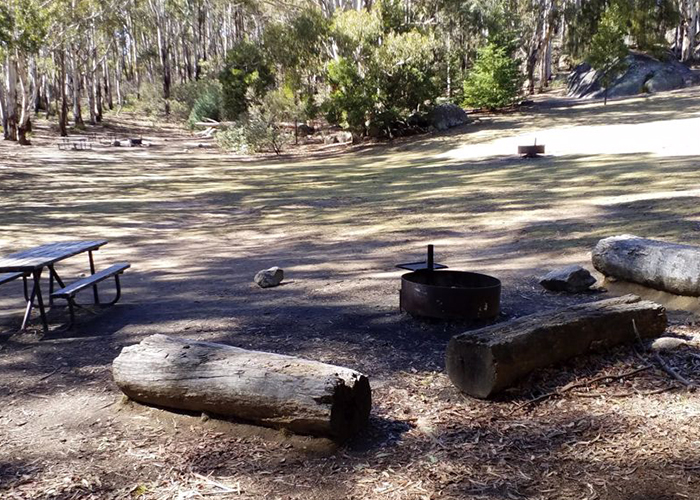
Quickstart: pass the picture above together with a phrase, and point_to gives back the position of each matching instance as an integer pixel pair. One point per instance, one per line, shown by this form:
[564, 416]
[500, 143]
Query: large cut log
[657, 264]
[268, 389]
[486, 361]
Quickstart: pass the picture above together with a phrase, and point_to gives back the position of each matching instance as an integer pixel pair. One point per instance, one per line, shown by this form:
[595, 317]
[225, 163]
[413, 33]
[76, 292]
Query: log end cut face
[472, 370]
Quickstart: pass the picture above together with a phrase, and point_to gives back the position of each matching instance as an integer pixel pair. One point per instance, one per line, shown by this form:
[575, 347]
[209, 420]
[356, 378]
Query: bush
[204, 94]
[151, 102]
[352, 97]
[258, 131]
[494, 81]
[608, 50]
[245, 79]
[397, 79]
[206, 105]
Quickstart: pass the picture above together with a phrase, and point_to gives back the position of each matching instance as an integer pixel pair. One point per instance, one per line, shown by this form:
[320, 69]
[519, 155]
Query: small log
[656, 264]
[486, 361]
[268, 389]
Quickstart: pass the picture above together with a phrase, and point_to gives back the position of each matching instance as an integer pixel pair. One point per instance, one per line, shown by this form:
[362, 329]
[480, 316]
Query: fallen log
[486, 361]
[670, 267]
[307, 397]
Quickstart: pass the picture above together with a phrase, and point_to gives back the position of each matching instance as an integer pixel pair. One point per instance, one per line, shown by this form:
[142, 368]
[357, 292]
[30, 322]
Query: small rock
[572, 279]
[304, 129]
[344, 136]
[667, 344]
[269, 277]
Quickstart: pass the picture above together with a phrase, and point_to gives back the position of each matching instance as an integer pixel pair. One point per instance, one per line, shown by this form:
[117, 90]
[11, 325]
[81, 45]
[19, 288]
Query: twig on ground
[673, 373]
[664, 366]
[47, 376]
[576, 385]
[227, 489]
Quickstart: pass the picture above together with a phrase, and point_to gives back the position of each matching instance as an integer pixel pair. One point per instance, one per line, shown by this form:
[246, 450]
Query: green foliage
[494, 81]
[207, 105]
[24, 25]
[384, 74]
[608, 49]
[151, 102]
[644, 21]
[403, 68]
[352, 97]
[648, 21]
[5, 26]
[260, 130]
[357, 33]
[197, 100]
[245, 79]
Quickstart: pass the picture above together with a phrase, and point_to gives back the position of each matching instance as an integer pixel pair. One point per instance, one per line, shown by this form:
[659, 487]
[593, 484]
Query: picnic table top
[44, 255]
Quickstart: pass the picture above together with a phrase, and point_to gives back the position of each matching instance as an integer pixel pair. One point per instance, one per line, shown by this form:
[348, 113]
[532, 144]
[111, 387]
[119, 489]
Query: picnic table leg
[92, 271]
[54, 276]
[36, 294]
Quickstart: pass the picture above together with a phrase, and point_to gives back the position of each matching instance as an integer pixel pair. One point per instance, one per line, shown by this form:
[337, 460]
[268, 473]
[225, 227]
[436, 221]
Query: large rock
[642, 74]
[447, 116]
[572, 279]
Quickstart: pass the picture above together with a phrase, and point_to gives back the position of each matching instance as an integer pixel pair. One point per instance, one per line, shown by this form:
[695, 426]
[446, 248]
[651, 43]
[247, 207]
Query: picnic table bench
[77, 143]
[32, 263]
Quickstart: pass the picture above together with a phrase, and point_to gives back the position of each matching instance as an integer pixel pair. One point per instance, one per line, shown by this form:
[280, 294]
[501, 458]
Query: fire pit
[448, 294]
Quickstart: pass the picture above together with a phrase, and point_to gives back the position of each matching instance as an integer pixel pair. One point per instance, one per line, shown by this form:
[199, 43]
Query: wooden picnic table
[34, 260]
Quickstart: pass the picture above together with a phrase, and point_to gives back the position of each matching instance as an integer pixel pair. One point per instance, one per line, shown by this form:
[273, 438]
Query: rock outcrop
[643, 74]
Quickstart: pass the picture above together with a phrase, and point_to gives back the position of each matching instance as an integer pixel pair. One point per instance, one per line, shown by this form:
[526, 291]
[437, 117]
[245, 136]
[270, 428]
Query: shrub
[608, 49]
[397, 79]
[206, 105]
[204, 94]
[245, 79]
[494, 81]
[256, 132]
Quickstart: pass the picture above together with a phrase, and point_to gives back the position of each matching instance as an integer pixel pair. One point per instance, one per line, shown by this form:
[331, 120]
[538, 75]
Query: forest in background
[370, 66]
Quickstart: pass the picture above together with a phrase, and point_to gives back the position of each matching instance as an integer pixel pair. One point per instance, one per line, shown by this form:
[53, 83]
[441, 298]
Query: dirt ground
[196, 225]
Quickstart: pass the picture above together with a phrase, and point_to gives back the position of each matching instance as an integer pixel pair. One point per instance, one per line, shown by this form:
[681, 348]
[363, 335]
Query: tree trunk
[267, 389]
[76, 80]
[3, 111]
[691, 18]
[10, 130]
[26, 88]
[657, 264]
[486, 361]
[63, 107]
[107, 85]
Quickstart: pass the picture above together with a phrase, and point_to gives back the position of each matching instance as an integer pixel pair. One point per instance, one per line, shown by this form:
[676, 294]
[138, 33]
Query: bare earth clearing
[196, 226]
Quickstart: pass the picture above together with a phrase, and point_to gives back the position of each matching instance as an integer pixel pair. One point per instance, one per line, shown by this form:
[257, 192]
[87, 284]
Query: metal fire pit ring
[450, 294]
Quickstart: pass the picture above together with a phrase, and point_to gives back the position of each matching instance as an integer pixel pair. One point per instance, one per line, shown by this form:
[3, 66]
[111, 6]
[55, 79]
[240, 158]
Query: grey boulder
[447, 116]
[268, 278]
[572, 279]
[642, 74]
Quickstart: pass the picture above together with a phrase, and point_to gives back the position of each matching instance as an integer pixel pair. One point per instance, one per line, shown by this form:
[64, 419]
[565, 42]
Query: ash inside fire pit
[450, 294]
